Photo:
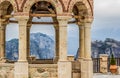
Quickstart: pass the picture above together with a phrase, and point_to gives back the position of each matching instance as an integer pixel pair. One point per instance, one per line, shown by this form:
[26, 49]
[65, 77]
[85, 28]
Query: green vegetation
[112, 61]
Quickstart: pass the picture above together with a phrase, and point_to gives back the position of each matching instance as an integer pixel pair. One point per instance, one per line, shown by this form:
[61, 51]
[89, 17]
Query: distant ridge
[103, 47]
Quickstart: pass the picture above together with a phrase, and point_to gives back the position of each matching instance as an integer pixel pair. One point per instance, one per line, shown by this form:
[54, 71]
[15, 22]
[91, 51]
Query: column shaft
[63, 40]
[21, 67]
[86, 63]
[88, 40]
[22, 39]
[28, 40]
[56, 27]
[2, 38]
[64, 66]
[57, 43]
[81, 42]
[0, 42]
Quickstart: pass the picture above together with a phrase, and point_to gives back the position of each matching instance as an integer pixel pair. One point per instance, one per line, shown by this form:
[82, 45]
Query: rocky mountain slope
[41, 46]
[108, 46]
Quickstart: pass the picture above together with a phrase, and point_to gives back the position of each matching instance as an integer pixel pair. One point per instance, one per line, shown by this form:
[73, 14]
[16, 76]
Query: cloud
[12, 31]
[106, 19]
[107, 8]
[73, 30]
[46, 29]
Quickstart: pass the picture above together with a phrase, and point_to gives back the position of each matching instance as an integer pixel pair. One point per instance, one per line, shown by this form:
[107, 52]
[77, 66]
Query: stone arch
[8, 2]
[29, 4]
[85, 7]
[6, 8]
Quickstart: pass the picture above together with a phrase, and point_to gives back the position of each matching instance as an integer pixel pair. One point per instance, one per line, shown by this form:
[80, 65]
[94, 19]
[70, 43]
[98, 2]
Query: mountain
[12, 49]
[41, 46]
[108, 46]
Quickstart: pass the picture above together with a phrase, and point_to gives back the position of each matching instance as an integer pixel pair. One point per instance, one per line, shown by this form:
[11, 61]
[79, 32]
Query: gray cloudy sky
[106, 20]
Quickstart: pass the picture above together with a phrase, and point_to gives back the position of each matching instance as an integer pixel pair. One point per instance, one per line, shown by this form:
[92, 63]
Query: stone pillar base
[64, 69]
[86, 68]
[80, 59]
[21, 70]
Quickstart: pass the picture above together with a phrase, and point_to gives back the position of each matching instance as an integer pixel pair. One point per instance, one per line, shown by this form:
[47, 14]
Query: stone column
[63, 39]
[88, 40]
[81, 41]
[56, 27]
[64, 66]
[57, 43]
[0, 41]
[22, 38]
[21, 67]
[28, 40]
[87, 64]
[2, 38]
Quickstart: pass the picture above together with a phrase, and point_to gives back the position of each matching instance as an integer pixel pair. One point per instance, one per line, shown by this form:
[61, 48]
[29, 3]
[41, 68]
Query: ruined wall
[39, 70]
[6, 70]
[43, 71]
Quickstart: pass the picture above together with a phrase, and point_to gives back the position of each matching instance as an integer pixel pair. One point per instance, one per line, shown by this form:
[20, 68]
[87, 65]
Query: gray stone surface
[109, 75]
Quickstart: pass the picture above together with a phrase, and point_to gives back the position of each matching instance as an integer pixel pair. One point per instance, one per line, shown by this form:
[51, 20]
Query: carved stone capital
[22, 19]
[88, 25]
[63, 18]
[63, 21]
[88, 19]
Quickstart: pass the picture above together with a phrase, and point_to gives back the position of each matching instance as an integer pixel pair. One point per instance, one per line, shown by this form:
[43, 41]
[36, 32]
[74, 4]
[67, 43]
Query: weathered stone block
[64, 69]
[103, 63]
[86, 68]
[76, 75]
[21, 70]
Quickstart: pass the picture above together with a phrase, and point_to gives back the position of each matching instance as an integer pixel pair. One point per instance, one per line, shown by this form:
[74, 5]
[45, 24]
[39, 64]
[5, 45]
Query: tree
[112, 61]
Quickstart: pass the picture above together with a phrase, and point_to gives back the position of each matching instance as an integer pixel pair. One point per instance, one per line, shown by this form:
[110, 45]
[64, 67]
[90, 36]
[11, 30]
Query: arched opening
[6, 8]
[42, 33]
[12, 42]
[42, 7]
[9, 45]
[80, 13]
[42, 39]
[83, 54]
[73, 39]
